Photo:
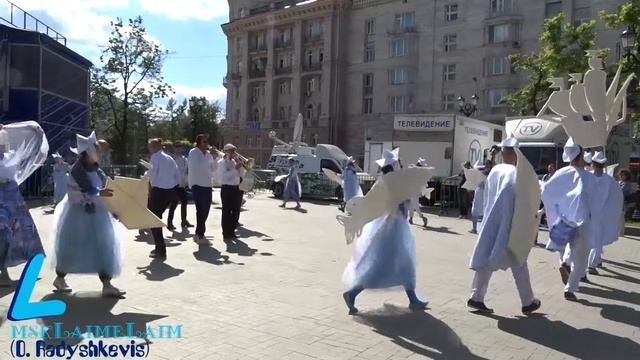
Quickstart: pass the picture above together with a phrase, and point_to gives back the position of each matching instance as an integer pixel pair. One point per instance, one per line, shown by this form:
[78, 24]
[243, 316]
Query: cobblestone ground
[277, 295]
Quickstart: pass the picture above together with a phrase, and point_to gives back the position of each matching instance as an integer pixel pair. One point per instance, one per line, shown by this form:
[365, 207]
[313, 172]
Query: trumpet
[247, 163]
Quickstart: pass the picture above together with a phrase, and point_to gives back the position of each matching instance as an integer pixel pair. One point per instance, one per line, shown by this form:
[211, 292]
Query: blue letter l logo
[21, 308]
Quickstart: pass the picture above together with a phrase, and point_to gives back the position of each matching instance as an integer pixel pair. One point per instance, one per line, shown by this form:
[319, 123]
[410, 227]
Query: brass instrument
[247, 163]
[248, 179]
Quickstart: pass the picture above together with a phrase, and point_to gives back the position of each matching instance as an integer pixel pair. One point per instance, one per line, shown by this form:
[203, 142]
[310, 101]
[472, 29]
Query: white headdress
[599, 158]
[571, 150]
[588, 157]
[87, 144]
[389, 157]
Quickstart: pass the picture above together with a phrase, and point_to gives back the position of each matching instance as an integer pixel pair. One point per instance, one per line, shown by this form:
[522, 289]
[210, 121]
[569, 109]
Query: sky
[189, 29]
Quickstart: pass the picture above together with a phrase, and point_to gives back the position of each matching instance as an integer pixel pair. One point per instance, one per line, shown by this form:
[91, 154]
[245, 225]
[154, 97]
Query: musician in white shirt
[201, 171]
[230, 171]
[164, 178]
[181, 190]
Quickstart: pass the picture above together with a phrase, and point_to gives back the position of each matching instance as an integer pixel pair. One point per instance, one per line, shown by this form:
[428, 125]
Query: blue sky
[190, 29]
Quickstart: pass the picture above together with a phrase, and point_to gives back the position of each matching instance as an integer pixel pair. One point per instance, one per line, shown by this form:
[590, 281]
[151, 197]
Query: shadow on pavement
[442, 230]
[619, 276]
[297, 209]
[617, 313]
[418, 332]
[159, 270]
[211, 255]
[613, 294]
[180, 236]
[90, 310]
[624, 265]
[244, 233]
[576, 343]
[8, 290]
[240, 247]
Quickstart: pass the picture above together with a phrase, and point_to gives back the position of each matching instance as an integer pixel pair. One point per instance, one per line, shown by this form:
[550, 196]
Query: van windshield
[541, 157]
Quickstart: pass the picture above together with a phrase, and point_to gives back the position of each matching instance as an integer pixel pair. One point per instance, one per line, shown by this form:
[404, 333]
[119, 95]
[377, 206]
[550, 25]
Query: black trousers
[181, 197]
[159, 201]
[463, 200]
[231, 198]
[202, 199]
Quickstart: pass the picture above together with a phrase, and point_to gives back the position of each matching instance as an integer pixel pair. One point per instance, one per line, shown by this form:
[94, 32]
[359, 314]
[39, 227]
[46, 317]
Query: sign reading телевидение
[423, 123]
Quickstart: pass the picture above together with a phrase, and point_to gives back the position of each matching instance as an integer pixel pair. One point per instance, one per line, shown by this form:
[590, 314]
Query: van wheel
[338, 193]
[278, 190]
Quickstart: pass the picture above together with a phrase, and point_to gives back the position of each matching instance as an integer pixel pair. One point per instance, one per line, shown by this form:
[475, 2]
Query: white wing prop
[333, 176]
[29, 146]
[524, 224]
[611, 170]
[386, 194]
[144, 164]
[426, 192]
[280, 178]
[474, 178]
[129, 203]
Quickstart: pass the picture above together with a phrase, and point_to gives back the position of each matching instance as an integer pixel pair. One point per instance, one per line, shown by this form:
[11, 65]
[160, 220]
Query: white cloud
[211, 93]
[187, 9]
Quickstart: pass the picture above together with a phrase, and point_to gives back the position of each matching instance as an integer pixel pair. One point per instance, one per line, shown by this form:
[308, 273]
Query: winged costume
[87, 239]
[508, 229]
[384, 255]
[23, 148]
[60, 175]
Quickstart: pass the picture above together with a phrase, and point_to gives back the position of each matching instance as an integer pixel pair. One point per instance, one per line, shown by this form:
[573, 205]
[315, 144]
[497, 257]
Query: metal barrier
[446, 195]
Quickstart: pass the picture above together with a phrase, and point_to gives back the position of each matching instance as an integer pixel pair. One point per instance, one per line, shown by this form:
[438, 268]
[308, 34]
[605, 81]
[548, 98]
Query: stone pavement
[277, 295]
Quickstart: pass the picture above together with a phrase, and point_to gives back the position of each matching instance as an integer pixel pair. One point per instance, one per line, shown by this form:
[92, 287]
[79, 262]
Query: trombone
[248, 164]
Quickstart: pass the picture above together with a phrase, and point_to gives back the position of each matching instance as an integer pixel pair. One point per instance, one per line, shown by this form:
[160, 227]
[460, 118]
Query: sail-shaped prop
[25, 146]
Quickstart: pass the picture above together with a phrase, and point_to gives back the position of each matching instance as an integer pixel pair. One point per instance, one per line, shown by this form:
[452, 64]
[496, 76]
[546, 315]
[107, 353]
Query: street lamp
[466, 108]
[628, 41]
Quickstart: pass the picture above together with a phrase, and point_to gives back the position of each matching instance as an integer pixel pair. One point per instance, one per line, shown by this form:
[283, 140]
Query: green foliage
[562, 51]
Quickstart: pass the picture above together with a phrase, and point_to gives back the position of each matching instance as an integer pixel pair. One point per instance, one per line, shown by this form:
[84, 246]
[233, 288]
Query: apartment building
[350, 66]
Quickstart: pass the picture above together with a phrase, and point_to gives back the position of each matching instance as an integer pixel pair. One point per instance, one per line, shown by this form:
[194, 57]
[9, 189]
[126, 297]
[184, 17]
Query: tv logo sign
[21, 308]
[530, 129]
[475, 151]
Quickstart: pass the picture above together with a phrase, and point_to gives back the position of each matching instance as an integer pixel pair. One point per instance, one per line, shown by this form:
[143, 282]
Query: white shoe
[61, 285]
[109, 290]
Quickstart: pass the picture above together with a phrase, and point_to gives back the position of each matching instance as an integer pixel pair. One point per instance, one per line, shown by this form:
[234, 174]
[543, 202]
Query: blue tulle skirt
[384, 255]
[87, 243]
[19, 238]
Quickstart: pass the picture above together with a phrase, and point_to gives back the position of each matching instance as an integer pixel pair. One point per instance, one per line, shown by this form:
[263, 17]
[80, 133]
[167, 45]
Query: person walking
[201, 170]
[230, 171]
[181, 190]
[164, 178]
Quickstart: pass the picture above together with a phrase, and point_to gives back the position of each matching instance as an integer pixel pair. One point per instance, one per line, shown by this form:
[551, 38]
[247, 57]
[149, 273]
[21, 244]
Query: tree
[628, 17]
[129, 78]
[562, 51]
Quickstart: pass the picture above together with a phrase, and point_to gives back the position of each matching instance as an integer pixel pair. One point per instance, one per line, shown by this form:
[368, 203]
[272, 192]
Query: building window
[451, 12]
[581, 15]
[398, 104]
[367, 84]
[552, 8]
[282, 113]
[284, 87]
[401, 75]
[495, 97]
[256, 115]
[367, 105]
[405, 21]
[370, 27]
[289, 112]
[449, 72]
[450, 42]
[309, 112]
[398, 48]
[370, 52]
[497, 66]
[498, 33]
[311, 86]
[448, 102]
[320, 55]
[498, 6]
[314, 30]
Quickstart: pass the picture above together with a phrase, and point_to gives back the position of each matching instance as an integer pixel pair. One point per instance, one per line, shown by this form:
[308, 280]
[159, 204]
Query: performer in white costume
[415, 202]
[569, 200]
[588, 159]
[350, 182]
[60, 175]
[491, 251]
[23, 149]
[384, 255]
[87, 239]
[477, 206]
[609, 204]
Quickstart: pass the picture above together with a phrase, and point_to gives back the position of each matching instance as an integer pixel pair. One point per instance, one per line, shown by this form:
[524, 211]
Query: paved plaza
[277, 295]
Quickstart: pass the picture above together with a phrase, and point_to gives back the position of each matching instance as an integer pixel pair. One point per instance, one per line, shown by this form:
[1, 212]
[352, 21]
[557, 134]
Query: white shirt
[163, 172]
[201, 168]
[183, 169]
[228, 173]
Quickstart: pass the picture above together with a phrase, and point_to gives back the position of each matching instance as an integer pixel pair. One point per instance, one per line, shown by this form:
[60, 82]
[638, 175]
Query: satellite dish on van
[297, 131]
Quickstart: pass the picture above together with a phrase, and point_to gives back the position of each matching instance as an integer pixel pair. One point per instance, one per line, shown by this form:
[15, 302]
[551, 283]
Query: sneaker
[347, 299]
[170, 227]
[601, 266]
[155, 255]
[60, 285]
[479, 307]
[419, 305]
[473, 231]
[593, 271]
[186, 225]
[584, 279]
[112, 291]
[529, 309]
[570, 296]
[425, 222]
[565, 271]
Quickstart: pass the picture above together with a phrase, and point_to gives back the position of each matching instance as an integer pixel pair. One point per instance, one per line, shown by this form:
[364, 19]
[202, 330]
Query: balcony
[313, 38]
[313, 66]
[281, 44]
[402, 29]
[258, 48]
[256, 73]
[283, 70]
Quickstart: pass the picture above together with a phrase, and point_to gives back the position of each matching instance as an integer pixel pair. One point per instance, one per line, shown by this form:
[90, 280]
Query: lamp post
[628, 42]
[466, 108]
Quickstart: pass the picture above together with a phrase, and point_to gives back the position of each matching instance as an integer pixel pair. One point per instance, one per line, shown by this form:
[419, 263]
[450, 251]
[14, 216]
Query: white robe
[499, 203]
[477, 207]
[609, 202]
[571, 195]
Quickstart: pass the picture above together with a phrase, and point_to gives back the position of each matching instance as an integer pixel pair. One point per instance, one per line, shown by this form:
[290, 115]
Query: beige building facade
[350, 66]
